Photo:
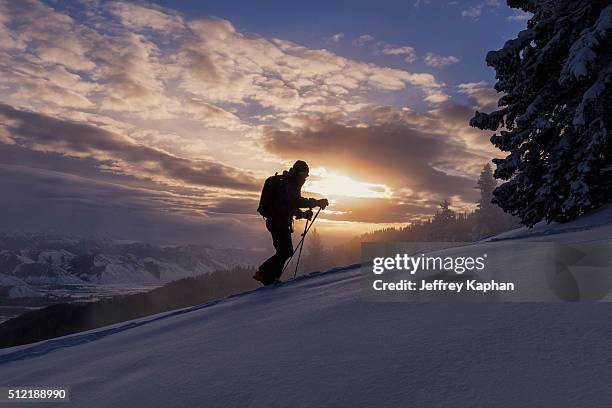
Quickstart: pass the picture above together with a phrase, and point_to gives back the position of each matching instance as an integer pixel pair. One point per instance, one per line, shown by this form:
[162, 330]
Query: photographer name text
[443, 286]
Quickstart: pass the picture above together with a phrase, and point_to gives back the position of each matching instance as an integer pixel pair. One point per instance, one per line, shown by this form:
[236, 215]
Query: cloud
[211, 115]
[418, 3]
[135, 16]
[380, 210]
[519, 16]
[112, 68]
[46, 134]
[449, 121]
[408, 53]
[54, 37]
[364, 40]
[482, 95]
[475, 11]
[336, 38]
[383, 48]
[121, 63]
[439, 61]
[437, 97]
[223, 65]
[44, 200]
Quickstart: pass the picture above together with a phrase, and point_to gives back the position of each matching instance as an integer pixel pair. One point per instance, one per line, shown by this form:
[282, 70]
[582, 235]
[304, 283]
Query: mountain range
[31, 261]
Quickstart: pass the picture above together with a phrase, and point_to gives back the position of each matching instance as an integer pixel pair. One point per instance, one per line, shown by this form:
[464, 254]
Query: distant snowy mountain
[12, 288]
[28, 260]
[315, 342]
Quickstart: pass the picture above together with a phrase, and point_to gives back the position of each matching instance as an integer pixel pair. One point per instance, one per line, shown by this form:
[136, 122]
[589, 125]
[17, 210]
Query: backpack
[269, 199]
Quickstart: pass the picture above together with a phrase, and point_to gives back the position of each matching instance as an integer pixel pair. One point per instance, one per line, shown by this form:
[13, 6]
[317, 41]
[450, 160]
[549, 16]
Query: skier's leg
[272, 268]
[265, 274]
[284, 249]
[266, 268]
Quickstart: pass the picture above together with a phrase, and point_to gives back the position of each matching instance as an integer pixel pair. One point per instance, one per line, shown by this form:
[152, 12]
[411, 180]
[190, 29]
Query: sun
[328, 183]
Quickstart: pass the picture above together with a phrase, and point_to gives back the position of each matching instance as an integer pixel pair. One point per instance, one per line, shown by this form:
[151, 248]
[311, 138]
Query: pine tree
[315, 260]
[445, 215]
[490, 219]
[486, 184]
[487, 213]
[554, 118]
[443, 222]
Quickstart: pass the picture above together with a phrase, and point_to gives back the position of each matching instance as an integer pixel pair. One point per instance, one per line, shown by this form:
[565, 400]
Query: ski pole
[312, 222]
[296, 248]
[301, 246]
[306, 229]
[301, 241]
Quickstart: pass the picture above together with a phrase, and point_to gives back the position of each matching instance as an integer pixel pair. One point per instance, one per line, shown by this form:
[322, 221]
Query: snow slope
[313, 342]
[596, 225]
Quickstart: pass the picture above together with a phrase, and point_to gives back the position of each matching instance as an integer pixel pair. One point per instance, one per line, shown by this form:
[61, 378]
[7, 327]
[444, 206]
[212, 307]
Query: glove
[306, 215]
[323, 203]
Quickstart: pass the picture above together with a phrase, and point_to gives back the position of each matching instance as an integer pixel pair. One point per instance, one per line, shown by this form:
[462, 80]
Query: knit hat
[300, 166]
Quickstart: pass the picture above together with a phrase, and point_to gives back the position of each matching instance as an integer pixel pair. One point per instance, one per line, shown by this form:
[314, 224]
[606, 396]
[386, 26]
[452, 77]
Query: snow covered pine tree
[489, 217]
[555, 117]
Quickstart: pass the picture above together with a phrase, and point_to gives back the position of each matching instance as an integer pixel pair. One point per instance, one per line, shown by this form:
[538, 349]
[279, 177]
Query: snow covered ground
[314, 342]
[597, 225]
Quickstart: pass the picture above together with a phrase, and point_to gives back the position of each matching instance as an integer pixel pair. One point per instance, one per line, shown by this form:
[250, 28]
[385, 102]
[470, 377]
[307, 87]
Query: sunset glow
[327, 183]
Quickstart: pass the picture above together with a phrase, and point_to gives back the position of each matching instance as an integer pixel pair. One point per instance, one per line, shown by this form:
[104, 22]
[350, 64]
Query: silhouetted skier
[281, 200]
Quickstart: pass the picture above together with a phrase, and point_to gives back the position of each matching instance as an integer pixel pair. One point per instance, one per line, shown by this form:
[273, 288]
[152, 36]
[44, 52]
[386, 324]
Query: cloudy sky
[159, 121]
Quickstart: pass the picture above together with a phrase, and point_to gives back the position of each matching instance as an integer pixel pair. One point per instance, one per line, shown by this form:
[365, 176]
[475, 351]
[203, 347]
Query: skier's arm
[303, 202]
[312, 202]
[297, 202]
